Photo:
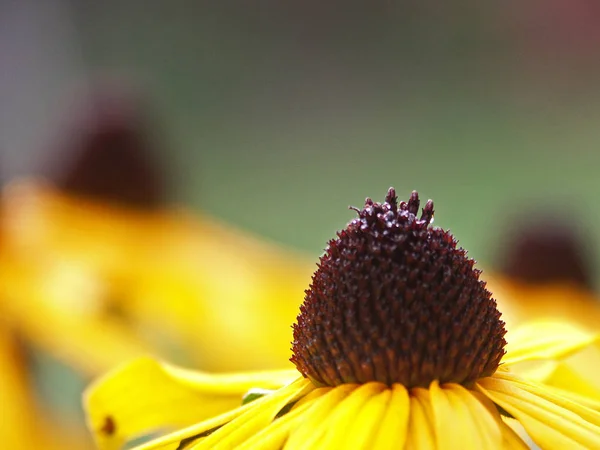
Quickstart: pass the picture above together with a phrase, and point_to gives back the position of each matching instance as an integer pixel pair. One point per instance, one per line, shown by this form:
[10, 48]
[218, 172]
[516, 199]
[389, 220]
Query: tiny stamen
[392, 199]
[427, 212]
[413, 203]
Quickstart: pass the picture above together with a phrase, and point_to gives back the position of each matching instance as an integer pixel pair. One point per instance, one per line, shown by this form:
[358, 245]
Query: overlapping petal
[341, 422]
[462, 421]
[306, 434]
[236, 432]
[146, 396]
[421, 425]
[546, 340]
[396, 418]
[139, 399]
[554, 422]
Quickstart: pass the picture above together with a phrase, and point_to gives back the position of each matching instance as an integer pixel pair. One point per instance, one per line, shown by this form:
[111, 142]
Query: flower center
[548, 249]
[394, 300]
[106, 155]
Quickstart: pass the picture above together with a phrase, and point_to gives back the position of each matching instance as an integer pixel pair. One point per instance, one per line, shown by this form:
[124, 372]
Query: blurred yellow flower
[522, 302]
[94, 285]
[571, 305]
[398, 344]
[119, 283]
[546, 272]
[96, 268]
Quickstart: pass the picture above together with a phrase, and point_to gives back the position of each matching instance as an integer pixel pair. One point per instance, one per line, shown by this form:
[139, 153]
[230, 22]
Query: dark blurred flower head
[548, 248]
[106, 152]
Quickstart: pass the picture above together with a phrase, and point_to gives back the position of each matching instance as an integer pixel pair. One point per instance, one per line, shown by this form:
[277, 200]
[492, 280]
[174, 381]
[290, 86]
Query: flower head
[548, 249]
[546, 272]
[398, 345]
[101, 254]
[107, 155]
[98, 268]
[394, 300]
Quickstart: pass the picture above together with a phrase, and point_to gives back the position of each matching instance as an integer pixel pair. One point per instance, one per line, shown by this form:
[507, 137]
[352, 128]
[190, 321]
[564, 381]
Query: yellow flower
[547, 275]
[127, 283]
[522, 302]
[96, 268]
[553, 302]
[101, 255]
[545, 270]
[398, 344]
[94, 285]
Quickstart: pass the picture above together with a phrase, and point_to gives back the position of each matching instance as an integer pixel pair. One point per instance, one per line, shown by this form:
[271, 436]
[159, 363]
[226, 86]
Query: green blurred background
[277, 115]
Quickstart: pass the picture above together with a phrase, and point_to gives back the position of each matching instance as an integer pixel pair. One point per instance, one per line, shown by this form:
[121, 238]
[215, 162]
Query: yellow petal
[113, 342]
[194, 432]
[317, 393]
[194, 435]
[512, 431]
[574, 377]
[462, 421]
[231, 383]
[551, 421]
[541, 340]
[544, 392]
[310, 430]
[539, 371]
[333, 431]
[147, 396]
[76, 262]
[394, 424]
[510, 439]
[569, 383]
[577, 376]
[23, 425]
[364, 426]
[17, 412]
[254, 419]
[576, 398]
[275, 435]
[521, 302]
[421, 423]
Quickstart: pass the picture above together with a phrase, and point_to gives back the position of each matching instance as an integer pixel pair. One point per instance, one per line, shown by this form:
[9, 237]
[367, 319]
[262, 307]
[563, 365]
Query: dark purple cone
[394, 300]
[547, 250]
[109, 157]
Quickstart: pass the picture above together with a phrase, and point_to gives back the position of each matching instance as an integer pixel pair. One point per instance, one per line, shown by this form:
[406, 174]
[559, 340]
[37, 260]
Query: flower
[102, 256]
[127, 283]
[547, 246]
[546, 273]
[546, 269]
[97, 268]
[398, 344]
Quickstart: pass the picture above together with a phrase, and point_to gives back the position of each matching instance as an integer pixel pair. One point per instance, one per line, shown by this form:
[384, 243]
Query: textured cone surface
[394, 300]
